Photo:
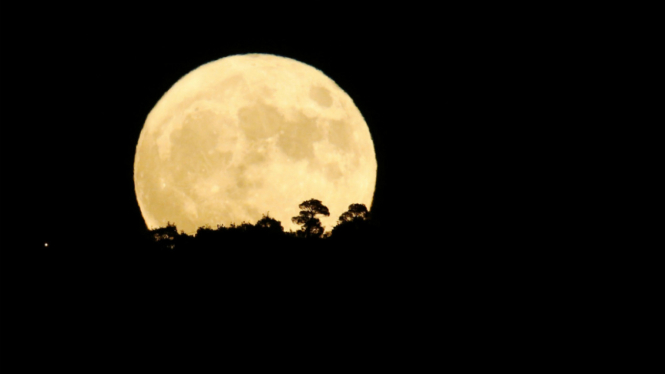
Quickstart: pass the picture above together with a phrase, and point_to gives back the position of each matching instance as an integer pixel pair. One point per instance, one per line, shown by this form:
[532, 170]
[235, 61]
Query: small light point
[45, 244]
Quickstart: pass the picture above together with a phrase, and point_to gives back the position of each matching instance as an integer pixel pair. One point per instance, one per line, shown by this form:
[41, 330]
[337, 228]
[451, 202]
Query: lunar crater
[321, 96]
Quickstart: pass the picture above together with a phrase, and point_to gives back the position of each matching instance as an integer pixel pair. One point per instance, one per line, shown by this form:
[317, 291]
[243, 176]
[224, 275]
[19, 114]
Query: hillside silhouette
[262, 248]
[163, 288]
[267, 239]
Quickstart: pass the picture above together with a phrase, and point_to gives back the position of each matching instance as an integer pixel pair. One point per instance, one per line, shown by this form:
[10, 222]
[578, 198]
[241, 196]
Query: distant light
[45, 244]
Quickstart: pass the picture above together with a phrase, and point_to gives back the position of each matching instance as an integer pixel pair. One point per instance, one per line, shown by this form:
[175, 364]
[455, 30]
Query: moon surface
[248, 135]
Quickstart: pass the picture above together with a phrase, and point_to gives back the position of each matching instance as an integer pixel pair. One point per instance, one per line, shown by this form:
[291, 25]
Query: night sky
[453, 103]
[448, 99]
[76, 94]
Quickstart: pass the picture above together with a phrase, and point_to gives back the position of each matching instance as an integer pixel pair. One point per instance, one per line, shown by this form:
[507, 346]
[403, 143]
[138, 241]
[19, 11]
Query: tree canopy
[269, 224]
[353, 226]
[356, 211]
[311, 226]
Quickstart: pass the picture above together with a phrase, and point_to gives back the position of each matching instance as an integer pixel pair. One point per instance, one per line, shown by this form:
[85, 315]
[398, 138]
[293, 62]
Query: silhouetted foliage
[354, 229]
[311, 226]
[353, 225]
[356, 211]
[166, 236]
[269, 225]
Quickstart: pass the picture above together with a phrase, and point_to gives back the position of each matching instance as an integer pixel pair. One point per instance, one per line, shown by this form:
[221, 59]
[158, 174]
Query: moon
[248, 135]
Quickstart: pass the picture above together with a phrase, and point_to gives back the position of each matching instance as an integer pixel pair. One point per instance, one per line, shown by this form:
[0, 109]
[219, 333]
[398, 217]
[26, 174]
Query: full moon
[250, 135]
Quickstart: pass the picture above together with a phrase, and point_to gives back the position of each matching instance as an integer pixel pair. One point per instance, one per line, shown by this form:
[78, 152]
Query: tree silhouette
[311, 226]
[269, 224]
[356, 211]
[354, 229]
[166, 236]
[353, 225]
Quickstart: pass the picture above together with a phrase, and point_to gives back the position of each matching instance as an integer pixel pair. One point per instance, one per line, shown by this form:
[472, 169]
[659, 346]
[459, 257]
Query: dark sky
[451, 98]
[77, 89]
[76, 92]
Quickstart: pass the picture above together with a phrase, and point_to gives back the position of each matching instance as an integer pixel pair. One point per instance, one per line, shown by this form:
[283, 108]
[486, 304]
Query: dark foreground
[110, 302]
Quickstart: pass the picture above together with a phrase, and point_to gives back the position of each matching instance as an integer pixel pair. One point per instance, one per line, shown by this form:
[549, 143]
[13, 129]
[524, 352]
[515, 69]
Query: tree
[353, 225]
[355, 212]
[311, 226]
[269, 224]
[166, 236]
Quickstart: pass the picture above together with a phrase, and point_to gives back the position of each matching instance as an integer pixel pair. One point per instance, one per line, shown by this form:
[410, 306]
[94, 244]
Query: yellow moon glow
[250, 134]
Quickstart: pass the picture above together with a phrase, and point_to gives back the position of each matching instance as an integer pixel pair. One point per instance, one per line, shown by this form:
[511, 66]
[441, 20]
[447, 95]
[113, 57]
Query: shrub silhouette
[268, 224]
[166, 236]
[354, 228]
